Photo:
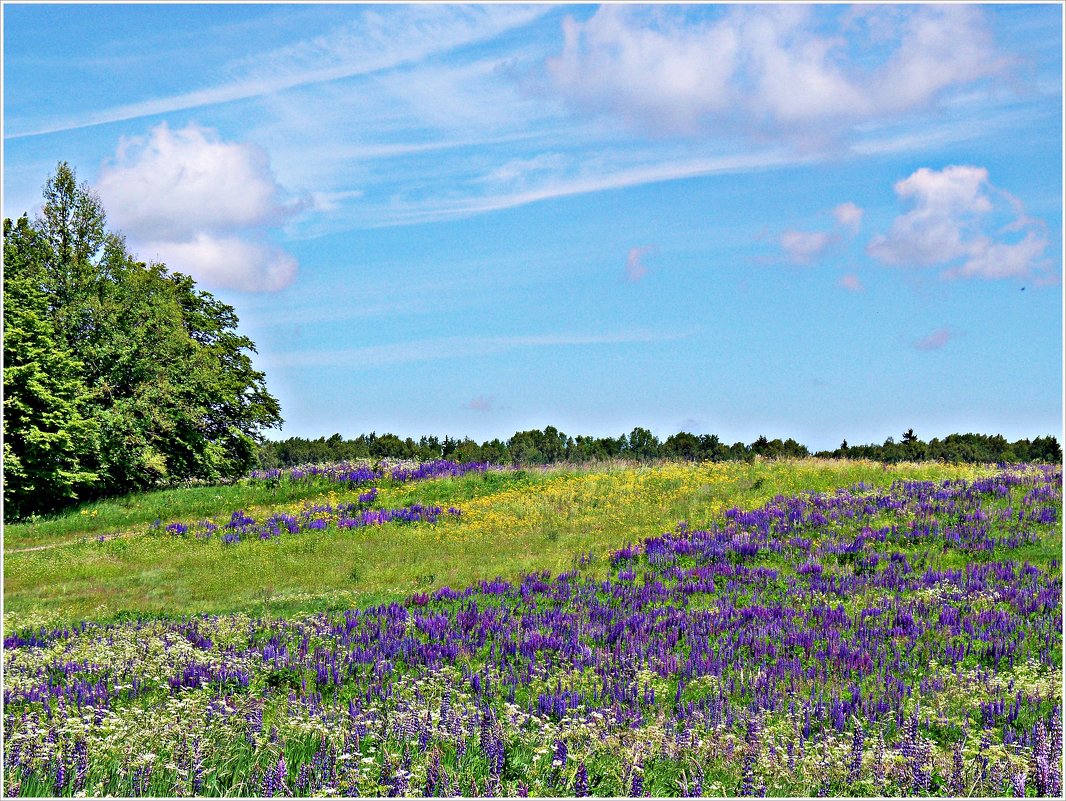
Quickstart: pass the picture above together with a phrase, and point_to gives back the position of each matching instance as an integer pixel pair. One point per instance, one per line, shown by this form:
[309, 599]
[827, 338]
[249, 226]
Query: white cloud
[481, 403]
[938, 46]
[802, 247]
[988, 259]
[201, 205]
[945, 203]
[849, 216]
[173, 182]
[670, 74]
[766, 69]
[851, 282]
[596, 179]
[635, 269]
[517, 173]
[935, 340]
[226, 261]
[956, 223]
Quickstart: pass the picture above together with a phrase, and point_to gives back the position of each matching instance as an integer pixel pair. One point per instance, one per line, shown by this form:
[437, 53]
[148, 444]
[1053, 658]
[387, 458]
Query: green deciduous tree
[642, 444]
[164, 382]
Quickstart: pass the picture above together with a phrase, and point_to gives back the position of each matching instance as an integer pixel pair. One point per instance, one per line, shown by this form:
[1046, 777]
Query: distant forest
[552, 446]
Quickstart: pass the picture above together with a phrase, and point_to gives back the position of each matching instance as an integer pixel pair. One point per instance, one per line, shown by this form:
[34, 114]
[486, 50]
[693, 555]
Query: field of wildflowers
[124, 563]
[900, 640]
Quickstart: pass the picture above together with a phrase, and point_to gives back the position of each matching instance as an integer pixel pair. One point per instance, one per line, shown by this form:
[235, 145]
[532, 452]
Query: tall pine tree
[48, 439]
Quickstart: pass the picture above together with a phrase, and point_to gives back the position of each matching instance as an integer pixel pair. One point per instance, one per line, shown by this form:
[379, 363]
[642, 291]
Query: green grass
[139, 510]
[513, 522]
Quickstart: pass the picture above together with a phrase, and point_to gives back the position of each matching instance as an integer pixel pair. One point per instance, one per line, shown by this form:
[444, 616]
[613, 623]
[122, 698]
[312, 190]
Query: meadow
[811, 627]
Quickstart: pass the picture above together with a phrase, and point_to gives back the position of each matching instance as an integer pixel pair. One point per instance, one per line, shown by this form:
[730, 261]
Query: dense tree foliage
[552, 446]
[118, 375]
[976, 448]
[48, 434]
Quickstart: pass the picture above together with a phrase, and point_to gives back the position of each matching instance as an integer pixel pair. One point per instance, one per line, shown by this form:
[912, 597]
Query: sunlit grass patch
[512, 522]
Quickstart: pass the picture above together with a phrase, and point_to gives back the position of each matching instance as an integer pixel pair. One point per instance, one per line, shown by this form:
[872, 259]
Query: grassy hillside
[512, 522]
[133, 513]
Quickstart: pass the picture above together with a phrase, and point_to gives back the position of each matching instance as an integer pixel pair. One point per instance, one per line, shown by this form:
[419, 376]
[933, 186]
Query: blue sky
[823, 222]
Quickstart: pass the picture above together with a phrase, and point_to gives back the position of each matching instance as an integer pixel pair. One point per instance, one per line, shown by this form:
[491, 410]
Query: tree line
[551, 446]
[119, 375]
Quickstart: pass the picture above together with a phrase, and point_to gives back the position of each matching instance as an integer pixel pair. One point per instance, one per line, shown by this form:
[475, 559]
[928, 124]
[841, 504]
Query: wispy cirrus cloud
[460, 347]
[586, 180]
[379, 40]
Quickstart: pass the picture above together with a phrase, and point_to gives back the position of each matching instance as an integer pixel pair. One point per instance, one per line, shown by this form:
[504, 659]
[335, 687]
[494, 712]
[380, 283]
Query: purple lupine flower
[955, 784]
[60, 776]
[303, 780]
[281, 774]
[485, 725]
[855, 765]
[581, 781]
[1055, 756]
[559, 760]
[269, 784]
[81, 763]
[696, 788]
[142, 778]
[636, 788]
[753, 747]
[1041, 753]
[432, 775]
[1018, 784]
[921, 764]
[996, 778]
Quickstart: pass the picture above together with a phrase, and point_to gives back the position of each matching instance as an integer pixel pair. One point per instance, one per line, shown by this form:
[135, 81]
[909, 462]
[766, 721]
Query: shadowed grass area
[513, 522]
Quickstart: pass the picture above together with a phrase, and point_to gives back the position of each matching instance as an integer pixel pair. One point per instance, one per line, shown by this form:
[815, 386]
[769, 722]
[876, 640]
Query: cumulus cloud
[635, 269]
[802, 247]
[849, 216]
[781, 70]
[988, 259]
[935, 340]
[851, 282]
[227, 261]
[960, 222]
[482, 403]
[202, 205]
[938, 46]
[667, 72]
